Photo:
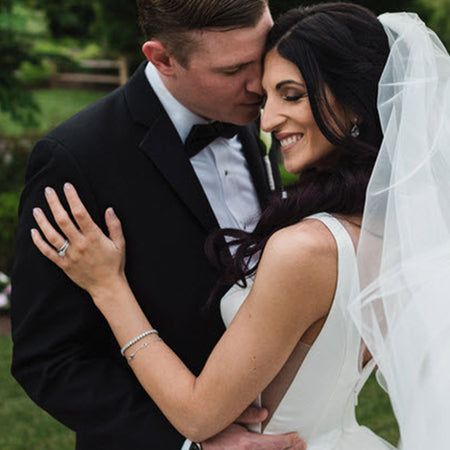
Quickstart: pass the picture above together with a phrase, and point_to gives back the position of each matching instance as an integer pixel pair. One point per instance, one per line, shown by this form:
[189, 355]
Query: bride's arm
[293, 288]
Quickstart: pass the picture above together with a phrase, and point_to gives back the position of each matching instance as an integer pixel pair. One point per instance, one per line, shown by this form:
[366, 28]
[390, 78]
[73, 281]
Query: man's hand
[237, 437]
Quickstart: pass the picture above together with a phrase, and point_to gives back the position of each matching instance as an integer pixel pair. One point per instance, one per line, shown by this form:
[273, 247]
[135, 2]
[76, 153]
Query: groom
[128, 151]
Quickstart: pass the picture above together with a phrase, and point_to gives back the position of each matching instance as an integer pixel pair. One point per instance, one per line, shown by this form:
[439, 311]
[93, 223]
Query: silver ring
[62, 250]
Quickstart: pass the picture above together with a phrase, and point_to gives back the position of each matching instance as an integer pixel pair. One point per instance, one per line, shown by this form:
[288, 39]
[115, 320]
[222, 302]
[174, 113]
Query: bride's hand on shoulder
[91, 259]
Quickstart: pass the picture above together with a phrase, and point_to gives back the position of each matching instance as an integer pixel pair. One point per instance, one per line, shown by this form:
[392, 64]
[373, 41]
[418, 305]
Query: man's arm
[237, 437]
[64, 354]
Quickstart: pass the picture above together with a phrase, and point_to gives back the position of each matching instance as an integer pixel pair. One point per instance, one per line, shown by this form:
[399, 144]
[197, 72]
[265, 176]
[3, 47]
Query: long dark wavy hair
[342, 47]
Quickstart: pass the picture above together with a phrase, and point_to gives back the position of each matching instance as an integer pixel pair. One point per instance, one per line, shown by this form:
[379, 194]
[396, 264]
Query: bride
[295, 318]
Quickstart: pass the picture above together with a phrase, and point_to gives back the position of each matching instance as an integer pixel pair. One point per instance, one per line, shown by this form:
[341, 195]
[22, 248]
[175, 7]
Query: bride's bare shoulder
[307, 238]
[300, 262]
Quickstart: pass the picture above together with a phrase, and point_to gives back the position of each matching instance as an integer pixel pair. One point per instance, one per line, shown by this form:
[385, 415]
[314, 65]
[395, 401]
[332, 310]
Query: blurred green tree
[111, 23]
[15, 100]
[67, 18]
[437, 15]
[116, 22]
[116, 27]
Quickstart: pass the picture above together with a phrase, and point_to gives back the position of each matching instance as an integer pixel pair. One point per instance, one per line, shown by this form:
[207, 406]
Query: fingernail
[67, 186]
[33, 231]
[111, 212]
[48, 190]
[36, 211]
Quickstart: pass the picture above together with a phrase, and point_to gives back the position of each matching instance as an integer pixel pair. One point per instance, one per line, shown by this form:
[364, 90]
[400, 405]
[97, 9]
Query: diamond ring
[62, 250]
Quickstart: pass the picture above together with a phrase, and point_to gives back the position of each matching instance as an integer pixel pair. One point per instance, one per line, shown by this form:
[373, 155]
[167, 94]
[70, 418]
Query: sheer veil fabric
[401, 305]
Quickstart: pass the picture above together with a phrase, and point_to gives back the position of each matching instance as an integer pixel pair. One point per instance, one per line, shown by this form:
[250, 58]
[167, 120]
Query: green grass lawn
[56, 105]
[23, 426]
[374, 410]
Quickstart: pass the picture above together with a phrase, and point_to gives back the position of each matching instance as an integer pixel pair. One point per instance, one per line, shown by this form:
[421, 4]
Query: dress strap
[347, 263]
[343, 240]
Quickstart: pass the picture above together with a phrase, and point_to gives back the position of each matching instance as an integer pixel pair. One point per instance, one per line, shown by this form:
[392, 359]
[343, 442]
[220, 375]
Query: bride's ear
[159, 56]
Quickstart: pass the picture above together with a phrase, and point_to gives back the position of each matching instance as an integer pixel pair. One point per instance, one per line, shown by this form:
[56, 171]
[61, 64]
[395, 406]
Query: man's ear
[159, 56]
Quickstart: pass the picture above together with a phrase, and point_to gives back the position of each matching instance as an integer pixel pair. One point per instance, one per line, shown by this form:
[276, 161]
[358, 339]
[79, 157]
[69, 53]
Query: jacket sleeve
[65, 356]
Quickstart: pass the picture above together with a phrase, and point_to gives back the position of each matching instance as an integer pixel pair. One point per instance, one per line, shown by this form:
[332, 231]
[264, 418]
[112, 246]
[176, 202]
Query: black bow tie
[202, 135]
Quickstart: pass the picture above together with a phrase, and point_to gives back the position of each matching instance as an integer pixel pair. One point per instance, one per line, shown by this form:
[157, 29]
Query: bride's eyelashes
[293, 96]
[288, 97]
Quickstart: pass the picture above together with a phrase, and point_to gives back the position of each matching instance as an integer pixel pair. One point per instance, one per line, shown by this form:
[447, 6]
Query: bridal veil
[402, 304]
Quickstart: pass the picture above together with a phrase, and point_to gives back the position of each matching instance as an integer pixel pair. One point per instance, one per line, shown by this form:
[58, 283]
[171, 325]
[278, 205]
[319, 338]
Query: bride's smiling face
[288, 115]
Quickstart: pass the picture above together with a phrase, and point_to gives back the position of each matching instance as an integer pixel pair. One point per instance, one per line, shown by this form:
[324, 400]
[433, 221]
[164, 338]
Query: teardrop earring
[354, 132]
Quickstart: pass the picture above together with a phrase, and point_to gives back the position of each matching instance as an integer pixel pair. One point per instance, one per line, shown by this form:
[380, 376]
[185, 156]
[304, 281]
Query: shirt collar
[182, 118]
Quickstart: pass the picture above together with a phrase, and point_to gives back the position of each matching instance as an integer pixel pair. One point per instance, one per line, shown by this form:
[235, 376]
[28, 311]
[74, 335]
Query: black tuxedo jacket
[122, 151]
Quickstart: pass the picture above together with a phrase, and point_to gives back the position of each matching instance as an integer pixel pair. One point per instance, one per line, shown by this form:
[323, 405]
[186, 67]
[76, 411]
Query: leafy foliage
[13, 156]
[117, 25]
[67, 17]
[14, 153]
[111, 23]
[437, 15]
[14, 49]
[8, 219]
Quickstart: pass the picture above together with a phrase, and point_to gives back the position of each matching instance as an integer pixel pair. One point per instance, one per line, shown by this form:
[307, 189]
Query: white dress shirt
[221, 168]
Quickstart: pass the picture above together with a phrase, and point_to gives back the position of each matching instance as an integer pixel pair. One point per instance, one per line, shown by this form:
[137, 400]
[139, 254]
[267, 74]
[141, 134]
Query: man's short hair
[170, 21]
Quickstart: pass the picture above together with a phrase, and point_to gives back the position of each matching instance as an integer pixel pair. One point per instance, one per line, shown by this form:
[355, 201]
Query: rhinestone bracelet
[136, 339]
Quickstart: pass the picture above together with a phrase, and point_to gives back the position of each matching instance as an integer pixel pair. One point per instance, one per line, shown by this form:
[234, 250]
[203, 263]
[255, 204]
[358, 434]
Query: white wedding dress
[317, 390]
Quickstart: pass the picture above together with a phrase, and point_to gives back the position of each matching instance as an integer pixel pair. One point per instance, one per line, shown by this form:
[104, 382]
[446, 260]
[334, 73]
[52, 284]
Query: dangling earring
[354, 132]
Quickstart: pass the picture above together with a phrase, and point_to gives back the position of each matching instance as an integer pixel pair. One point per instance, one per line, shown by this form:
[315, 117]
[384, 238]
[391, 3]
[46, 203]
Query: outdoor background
[56, 57]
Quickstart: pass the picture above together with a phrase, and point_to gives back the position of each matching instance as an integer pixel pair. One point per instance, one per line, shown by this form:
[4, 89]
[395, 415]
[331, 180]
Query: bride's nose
[271, 116]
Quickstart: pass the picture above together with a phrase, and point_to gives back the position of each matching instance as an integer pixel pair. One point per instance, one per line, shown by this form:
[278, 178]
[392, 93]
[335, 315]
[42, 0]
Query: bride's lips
[288, 140]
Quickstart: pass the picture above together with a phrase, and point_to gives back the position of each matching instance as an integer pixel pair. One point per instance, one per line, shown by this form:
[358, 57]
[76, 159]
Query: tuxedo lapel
[164, 147]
